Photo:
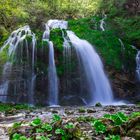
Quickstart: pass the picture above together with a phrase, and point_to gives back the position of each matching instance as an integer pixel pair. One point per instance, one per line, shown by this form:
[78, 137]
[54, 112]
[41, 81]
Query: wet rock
[81, 110]
[134, 129]
[69, 112]
[3, 134]
[91, 111]
[54, 111]
[98, 105]
[127, 138]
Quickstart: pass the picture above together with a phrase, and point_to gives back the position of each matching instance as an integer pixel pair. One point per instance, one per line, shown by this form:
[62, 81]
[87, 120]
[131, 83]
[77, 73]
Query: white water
[57, 24]
[138, 65]
[33, 78]
[5, 81]
[102, 23]
[122, 44]
[14, 42]
[3, 91]
[97, 82]
[67, 56]
[52, 76]
[137, 62]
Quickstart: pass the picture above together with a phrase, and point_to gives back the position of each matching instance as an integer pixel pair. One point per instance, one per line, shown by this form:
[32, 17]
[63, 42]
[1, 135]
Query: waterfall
[5, 82]
[122, 44]
[138, 65]
[102, 23]
[84, 79]
[57, 24]
[33, 78]
[96, 80]
[18, 49]
[137, 62]
[52, 75]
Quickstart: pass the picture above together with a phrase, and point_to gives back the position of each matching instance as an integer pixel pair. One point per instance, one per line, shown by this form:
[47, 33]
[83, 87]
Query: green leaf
[42, 138]
[118, 118]
[69, 126]
[16, 136]
[135, 114]
[60, 131]
[56, 118]
[23, 138]
[16, 125]
[36, 122]
[113, 137]
[99, 126]
[47, 127]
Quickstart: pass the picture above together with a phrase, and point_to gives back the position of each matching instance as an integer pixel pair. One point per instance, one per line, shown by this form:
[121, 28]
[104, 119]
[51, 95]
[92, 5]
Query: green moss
[57, 39]
[10, 107]
[106, 43]
[29, 38]
[4, 56]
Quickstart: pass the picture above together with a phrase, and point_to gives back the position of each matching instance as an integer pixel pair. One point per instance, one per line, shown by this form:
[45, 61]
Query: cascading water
[33, 78]
[122, 44]
[5, 81]
[67, 55]
[97, 83]
[102, 23]
[16, 45]
[138, 65]
[89, 86]
[52, 74]
[137, 62]
[57, 24]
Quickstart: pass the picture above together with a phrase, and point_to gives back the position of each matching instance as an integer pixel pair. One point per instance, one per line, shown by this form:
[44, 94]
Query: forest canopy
[15, 13]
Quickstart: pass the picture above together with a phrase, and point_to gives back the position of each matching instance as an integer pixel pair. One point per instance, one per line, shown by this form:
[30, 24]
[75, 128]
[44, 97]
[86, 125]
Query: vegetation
[119, 20]
[107, 43]
[12, 107]
[57, 128]
[84, 17]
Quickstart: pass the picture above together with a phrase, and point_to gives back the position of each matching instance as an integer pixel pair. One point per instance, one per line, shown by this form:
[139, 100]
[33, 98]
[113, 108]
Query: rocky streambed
[79, 116]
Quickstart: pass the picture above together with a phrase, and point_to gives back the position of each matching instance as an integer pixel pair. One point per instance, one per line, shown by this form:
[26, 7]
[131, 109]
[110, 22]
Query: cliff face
[122, 22]
[132, 7]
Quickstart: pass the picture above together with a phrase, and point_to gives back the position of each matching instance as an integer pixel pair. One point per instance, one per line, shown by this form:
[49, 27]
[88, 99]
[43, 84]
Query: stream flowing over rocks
[7, 119]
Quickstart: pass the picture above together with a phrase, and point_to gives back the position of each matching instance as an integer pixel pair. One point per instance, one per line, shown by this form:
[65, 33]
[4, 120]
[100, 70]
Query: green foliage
[106, 43]
[18, 13]
[56, 118]
[16, 136]
[17, 125]
[99, 126]
[98, 105]
[4, 55]
[118, 118]
[85, 119]
[42, 138]
[134, 114]
[11, 107]
[82, 110]
[57, 39]
[36, 122]
[60, 131]
[69, 125]
[113, 137]
[47, 127]
[19, 137]
[42, 130]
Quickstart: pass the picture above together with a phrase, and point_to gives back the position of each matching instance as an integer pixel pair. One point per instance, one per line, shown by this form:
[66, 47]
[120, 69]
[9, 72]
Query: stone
[91, 111]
